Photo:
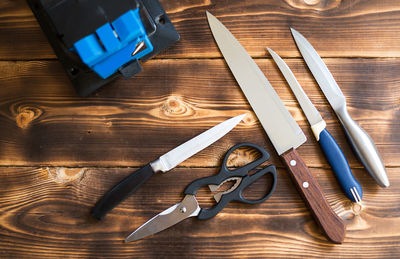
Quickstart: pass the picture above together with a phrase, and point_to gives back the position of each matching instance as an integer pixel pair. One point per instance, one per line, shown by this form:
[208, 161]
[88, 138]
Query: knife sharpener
[99, 40]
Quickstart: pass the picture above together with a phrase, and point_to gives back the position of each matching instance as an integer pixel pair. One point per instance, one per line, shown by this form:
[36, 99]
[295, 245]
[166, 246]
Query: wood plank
[60, 153]
[132, 122]
[44, 214]
[336, 28]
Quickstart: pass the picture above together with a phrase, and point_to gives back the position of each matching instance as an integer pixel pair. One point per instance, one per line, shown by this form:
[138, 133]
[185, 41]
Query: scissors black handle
[225, 173]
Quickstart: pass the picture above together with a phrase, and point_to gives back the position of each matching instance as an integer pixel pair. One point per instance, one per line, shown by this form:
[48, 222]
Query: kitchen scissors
[189, 206]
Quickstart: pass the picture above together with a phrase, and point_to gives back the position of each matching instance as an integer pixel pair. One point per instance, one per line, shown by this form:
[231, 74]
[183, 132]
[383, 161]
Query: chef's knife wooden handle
[121, 191]
[331, 224]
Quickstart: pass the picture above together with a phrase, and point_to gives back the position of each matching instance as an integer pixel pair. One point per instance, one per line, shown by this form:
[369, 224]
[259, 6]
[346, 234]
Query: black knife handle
[121, 191]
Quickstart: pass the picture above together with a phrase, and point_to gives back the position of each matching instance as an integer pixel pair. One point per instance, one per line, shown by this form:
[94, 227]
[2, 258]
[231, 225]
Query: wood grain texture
[132, 122]
[44, 213]
[351, 28]
[60, 153]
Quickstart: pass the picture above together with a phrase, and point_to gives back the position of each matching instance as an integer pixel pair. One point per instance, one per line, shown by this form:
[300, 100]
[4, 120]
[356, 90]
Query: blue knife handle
[339, 165]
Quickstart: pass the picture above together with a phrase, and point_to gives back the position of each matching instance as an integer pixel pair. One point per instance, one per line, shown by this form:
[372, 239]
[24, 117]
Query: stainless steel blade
[174, 157]
[312, 114]
[189, 207]
[361, 142]
[276, 120]
[320, 72]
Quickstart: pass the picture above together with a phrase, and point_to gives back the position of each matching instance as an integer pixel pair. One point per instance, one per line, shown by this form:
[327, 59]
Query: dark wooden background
[60, 153]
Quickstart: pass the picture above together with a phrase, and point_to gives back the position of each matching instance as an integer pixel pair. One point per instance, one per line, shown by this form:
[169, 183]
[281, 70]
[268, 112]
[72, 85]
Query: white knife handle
[364, 147]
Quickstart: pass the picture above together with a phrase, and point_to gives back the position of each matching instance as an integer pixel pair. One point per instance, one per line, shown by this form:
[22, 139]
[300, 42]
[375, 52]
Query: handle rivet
[183, 209]
[306, 184]
[293, 162]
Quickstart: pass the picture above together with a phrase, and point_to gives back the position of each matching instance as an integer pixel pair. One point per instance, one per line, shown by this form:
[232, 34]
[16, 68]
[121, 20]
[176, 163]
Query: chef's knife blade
[361, 142]
[163, 164]
[281, 128]
[331, 149]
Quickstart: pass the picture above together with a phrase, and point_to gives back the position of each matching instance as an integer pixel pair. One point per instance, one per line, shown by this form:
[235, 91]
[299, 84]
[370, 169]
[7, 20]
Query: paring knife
[361, 142]
[279, 125]
[331, 149]
[163, 164]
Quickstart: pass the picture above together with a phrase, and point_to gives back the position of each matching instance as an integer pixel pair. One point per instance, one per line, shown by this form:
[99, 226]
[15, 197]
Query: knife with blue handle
[332, 151]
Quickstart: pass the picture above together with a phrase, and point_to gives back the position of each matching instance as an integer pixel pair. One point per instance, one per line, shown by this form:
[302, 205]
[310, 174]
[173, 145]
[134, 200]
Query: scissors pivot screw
[183, 209]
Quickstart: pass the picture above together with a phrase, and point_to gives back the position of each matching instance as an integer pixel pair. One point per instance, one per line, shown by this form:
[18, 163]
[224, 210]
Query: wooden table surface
[60, 153]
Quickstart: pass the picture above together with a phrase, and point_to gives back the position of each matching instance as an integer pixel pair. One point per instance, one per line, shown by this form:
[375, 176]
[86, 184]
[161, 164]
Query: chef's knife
[279, 125]
[331, 149]
[361, 142]
[163, 164]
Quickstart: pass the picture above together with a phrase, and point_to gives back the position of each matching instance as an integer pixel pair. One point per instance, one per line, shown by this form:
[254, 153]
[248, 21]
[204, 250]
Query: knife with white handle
[361, 142]
[283, 131]
[350, 186]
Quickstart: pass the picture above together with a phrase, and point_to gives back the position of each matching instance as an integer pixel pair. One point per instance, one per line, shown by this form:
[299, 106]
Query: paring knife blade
[163, 164]
[279, 125]
[361, 142]
[312, 114]
[331, 149]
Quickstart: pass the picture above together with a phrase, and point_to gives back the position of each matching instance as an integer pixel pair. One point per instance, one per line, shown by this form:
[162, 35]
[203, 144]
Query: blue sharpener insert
[113, 45]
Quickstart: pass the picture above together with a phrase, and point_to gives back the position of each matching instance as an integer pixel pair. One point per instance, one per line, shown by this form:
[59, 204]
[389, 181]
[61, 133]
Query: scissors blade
[189, 207]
